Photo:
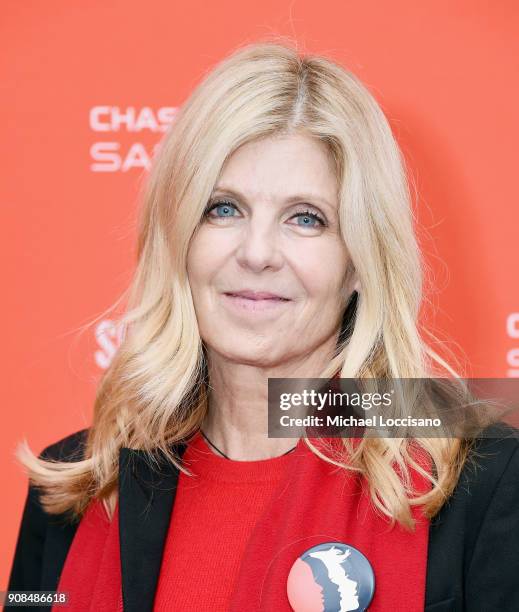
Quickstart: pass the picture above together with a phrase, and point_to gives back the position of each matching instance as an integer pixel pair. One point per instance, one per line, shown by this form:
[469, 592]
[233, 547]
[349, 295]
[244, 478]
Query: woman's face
[267, 264]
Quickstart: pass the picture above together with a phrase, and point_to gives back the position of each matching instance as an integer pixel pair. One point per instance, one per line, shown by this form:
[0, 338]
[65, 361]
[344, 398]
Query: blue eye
[223, 209]
[309, 219]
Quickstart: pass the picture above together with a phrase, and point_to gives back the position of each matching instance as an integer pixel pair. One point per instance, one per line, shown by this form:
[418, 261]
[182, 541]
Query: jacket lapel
[146, 496]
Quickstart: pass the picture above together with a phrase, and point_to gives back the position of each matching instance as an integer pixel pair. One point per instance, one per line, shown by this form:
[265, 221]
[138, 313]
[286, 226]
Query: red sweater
[238, 526]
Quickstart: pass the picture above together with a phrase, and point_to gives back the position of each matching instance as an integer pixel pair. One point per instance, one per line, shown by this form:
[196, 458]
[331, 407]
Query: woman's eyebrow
[303, 197]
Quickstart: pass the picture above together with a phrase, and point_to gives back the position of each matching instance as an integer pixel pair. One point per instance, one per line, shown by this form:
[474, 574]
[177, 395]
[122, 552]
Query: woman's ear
[351, 284]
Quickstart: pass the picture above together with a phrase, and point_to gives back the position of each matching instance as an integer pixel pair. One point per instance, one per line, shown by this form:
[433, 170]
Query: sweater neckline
[201, 460]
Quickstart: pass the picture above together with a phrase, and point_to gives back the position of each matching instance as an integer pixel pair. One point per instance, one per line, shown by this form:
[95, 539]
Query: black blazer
[473, 555]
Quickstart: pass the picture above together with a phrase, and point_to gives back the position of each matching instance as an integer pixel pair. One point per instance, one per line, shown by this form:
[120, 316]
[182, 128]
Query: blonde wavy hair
[154, 393]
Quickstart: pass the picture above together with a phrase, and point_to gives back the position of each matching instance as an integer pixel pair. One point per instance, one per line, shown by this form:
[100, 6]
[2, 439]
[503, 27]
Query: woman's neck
[237, 417]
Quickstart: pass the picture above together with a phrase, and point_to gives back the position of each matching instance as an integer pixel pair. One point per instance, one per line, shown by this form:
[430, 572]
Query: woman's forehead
[280, 169]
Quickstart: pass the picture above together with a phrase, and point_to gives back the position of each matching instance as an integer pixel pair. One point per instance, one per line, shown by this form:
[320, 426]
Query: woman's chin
[253, 356]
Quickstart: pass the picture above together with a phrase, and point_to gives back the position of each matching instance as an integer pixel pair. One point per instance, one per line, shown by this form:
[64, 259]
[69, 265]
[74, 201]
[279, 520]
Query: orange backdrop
[89, 87]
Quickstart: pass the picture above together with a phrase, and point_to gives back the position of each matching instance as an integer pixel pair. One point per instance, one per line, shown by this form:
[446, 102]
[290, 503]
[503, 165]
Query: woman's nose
[260, 247]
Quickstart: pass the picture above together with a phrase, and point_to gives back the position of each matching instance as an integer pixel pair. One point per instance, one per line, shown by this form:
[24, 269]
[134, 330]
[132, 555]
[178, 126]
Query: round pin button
[331, 577]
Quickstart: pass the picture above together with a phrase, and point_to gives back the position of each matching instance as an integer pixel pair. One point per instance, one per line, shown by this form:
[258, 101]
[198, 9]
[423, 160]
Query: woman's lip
[253, 295]
[254, 305]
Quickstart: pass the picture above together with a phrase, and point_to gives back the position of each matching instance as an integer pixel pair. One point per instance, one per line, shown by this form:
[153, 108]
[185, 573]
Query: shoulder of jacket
[484, 499]
[489, 458]
[495, 448]
[492, 459]
[69, 448]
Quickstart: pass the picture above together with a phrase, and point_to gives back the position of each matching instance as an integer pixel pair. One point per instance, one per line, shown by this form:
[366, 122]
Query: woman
[275, 241]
